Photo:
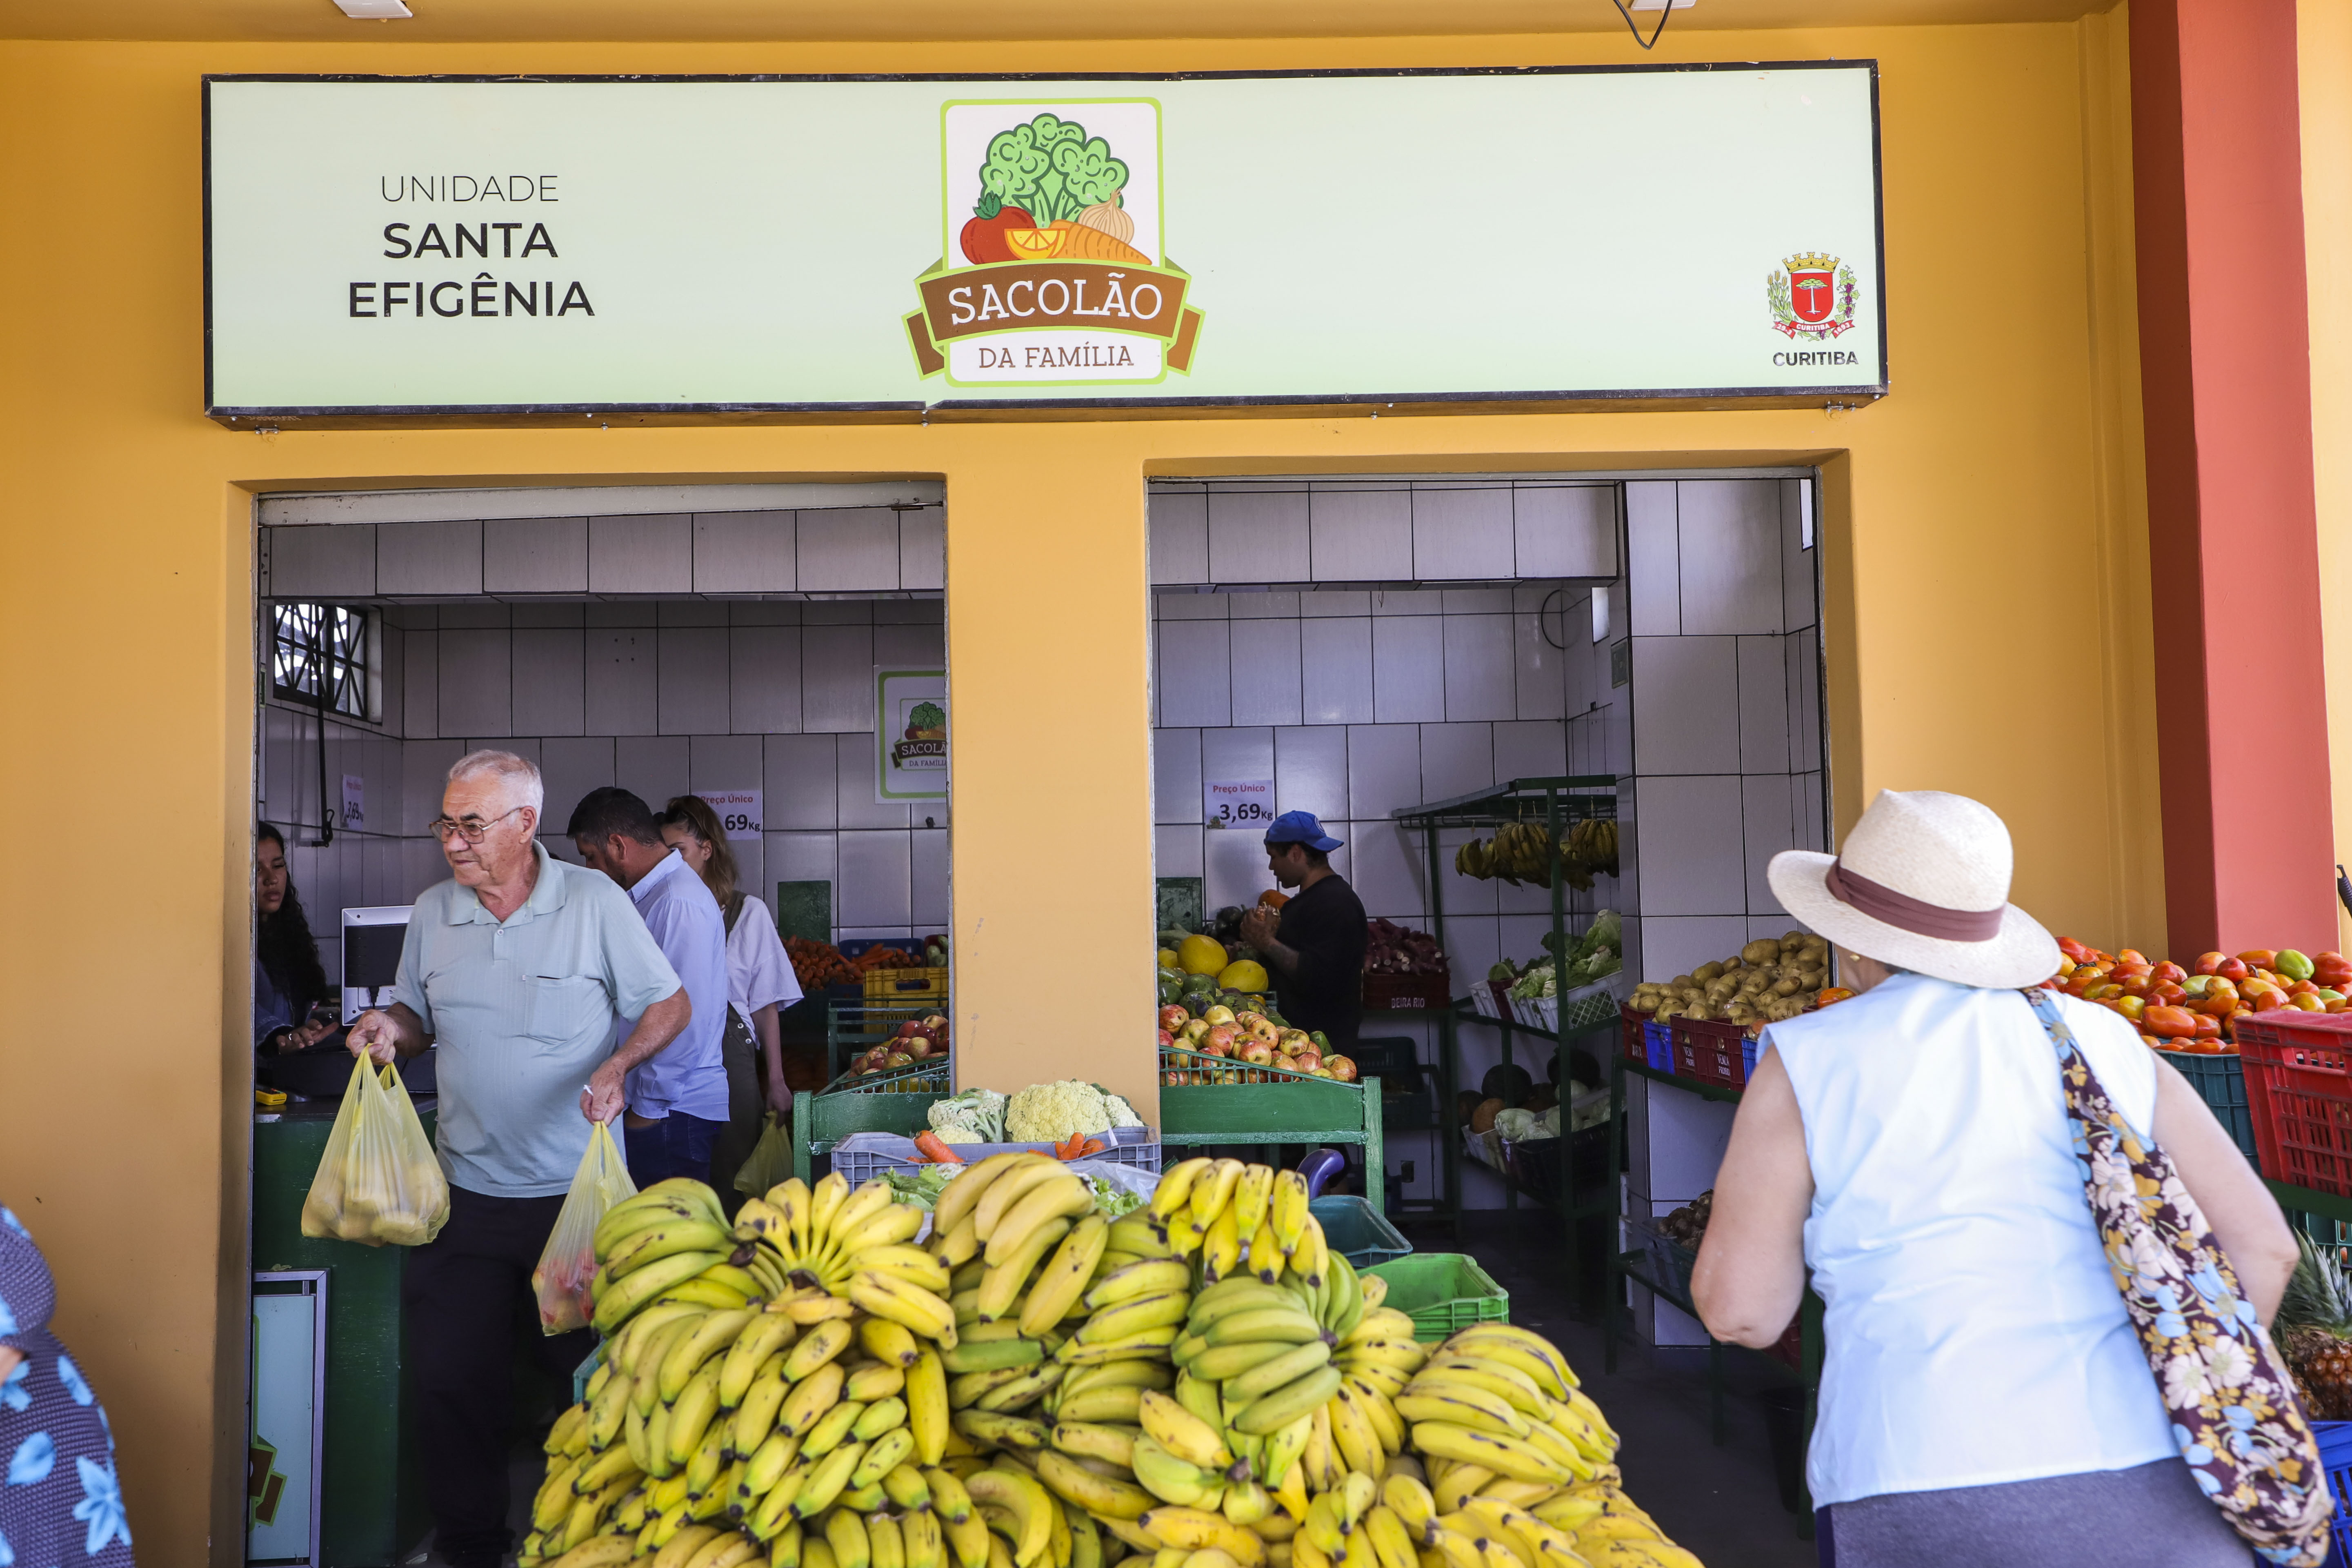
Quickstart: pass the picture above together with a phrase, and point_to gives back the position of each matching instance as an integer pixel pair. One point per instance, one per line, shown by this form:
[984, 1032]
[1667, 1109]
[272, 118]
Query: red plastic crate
[2298, 1071]
[1711, 1052]
[1630, 1024]
[1388, 993]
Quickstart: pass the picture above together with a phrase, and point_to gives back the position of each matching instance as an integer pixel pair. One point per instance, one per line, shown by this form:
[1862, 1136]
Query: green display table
[371, 1506]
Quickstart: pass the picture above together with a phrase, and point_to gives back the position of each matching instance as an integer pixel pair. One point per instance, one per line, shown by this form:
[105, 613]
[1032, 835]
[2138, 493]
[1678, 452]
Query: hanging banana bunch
[1519, 853]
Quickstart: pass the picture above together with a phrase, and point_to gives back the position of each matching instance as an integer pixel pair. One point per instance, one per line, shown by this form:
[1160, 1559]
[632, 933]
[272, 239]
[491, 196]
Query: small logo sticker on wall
[1811, 296]
[1054, 272]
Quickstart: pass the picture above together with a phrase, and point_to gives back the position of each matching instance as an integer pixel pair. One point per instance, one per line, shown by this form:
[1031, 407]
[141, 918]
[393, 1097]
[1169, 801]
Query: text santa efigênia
[454, 240]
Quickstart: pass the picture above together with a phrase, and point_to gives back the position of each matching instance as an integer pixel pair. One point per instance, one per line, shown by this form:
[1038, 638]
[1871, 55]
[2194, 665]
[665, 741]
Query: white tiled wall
[1341, 531]
[660, 697]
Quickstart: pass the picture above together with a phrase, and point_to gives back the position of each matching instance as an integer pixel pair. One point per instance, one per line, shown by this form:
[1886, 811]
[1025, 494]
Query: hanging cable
[1652, 41]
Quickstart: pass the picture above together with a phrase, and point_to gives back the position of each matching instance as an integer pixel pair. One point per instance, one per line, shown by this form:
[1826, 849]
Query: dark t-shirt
[1324, 926]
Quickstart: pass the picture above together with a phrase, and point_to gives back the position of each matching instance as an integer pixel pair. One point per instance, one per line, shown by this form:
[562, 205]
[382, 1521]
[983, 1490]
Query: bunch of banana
[1495, 1401]
[1591, 850]
[852, 1245]
[671, 1246]
[1239, 1220]
[1519, 853]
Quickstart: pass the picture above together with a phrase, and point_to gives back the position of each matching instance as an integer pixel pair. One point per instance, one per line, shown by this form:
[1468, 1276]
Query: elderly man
[677, 1101]
[518, 968]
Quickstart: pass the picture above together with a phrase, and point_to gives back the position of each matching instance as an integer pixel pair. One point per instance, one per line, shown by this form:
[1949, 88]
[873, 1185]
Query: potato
[1680, 983]
[1646, 1002]
[1699, 1011]
[1763, 950]
[1788, 988]
[1665, 1011]
[1706, 972]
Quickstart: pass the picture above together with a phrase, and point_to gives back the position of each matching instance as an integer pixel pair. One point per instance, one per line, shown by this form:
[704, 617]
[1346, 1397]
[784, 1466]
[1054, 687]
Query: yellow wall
[2323, 42]
[1989, 629]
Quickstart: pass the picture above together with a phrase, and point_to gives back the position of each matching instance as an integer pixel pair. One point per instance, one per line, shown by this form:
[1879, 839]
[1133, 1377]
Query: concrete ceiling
[813, 21]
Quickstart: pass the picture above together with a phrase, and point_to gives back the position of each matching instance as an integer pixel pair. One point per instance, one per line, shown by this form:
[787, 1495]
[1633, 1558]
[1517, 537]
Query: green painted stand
[372, 1498]
[1312, 1111]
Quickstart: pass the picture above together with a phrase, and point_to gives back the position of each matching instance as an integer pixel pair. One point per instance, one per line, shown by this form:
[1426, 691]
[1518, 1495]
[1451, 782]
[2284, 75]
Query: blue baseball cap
[1301, 828]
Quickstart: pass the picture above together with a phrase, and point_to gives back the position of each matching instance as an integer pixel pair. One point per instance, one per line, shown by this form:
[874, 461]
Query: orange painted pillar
[2225, 377]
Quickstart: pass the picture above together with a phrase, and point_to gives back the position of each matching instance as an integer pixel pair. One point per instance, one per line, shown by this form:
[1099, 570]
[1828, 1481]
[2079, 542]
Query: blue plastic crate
[2335, 1454]
[1658, 1040]
[1357, 1231]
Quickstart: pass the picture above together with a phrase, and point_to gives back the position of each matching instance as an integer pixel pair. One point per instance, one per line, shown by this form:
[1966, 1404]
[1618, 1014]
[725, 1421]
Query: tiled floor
[1721, 1503]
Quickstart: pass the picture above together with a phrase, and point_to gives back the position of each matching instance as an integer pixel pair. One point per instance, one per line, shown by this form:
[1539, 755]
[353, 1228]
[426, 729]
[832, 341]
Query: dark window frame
[318, 657]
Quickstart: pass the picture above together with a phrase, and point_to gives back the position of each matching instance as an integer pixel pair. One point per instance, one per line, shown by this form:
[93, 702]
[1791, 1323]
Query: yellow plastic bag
[770, 1159]
[568, 1267]
[379, 1180]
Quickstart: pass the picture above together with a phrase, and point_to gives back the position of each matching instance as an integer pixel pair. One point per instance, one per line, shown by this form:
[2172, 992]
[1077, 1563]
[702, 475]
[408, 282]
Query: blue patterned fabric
[61, 1497]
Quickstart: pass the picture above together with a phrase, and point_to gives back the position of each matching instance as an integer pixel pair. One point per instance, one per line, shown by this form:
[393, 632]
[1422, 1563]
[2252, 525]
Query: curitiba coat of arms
[1811, 296]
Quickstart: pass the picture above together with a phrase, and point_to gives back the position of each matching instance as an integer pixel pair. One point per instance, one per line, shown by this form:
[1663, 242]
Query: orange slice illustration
[1033, 245]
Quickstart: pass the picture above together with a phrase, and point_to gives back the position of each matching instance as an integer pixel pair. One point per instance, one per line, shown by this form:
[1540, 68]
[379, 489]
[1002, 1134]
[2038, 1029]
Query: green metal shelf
[1558, 801]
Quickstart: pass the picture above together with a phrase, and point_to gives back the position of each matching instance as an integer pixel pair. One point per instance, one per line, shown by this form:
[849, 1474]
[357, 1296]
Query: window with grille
[318, 657]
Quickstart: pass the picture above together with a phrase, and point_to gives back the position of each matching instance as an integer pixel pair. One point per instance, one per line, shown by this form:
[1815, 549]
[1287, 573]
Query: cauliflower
[1051, 1112]
[1122, 1114]
[974, 1116]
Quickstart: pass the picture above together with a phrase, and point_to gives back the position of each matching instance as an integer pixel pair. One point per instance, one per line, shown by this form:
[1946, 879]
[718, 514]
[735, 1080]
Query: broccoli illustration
[925, 716]
[1050, 168]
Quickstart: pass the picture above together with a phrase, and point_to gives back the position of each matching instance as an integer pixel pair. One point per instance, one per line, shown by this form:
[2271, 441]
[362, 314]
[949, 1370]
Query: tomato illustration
[983, 237]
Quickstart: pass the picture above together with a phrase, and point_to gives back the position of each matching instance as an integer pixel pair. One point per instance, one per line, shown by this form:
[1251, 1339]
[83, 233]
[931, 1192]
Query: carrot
[937, 1149]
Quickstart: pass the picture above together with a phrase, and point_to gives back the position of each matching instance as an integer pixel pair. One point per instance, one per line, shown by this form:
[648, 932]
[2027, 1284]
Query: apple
[1193, 1032]
[1320, 1073]
[933, 1021]
[1173, 1017]
[1257, 1051]
[908, 1030]
[1166, 1039]
[917, 1046]
[1248, 1020]
[1342, 1068]
[1309, 1060]
[1264, 1028]
[1294, 1041]
[1287, 1062]
[1221, 1041]
[1219, 1014]
[900, 1059]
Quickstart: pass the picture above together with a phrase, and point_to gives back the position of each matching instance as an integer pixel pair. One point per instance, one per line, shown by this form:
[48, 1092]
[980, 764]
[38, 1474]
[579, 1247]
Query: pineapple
[2314, 1331]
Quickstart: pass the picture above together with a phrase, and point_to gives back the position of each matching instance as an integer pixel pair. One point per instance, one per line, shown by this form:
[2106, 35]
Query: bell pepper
[2169, 1022]
[2131, 956]
[2207, 1026]
[2209, 963]
[2307, 1003]
[2293, 965]
[2130, 1007]
[2258, 957]
[2170, 973]
[2331, 970]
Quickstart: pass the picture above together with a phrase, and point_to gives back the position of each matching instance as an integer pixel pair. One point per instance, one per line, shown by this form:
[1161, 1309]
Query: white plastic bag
[379, 1179]
[568, 1266]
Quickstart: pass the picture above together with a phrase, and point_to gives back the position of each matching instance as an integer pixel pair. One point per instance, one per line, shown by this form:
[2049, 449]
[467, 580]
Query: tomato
[2170, 996]
[2170, 973]
[2209, 963]
[2231, 969]
[2131, 956]
[2302, 988]
[983, 237]
[2332, 969]
[2207, 1026]
[2072, 948]
[2262, 997]
[2339, 1005]
[2171, 1023]
[2258, 957]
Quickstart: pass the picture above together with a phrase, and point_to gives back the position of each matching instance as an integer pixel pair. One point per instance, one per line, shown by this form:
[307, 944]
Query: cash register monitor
[371, 939]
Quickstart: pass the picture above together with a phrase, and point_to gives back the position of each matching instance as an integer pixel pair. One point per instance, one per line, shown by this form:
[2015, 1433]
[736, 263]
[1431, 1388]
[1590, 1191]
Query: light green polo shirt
[523, 1011]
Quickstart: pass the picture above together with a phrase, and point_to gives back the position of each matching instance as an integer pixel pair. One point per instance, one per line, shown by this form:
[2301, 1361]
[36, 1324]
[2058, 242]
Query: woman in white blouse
[759, 985]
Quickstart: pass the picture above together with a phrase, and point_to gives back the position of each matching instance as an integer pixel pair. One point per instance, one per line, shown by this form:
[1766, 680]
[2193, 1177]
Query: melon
[1202, 956]
[1243, 974]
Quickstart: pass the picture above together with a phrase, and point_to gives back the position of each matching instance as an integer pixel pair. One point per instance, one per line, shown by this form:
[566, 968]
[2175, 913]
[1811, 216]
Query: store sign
[1237, 802]
[415, 247]
[355, 815]
[911, 751]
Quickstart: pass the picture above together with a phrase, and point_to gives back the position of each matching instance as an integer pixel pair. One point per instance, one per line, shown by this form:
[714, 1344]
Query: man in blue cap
[1315, 947]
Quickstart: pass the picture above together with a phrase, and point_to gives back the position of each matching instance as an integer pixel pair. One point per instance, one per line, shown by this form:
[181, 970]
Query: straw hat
[1922, 884]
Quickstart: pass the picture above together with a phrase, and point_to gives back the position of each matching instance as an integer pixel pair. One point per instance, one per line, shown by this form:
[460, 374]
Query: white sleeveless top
[1974, 1336]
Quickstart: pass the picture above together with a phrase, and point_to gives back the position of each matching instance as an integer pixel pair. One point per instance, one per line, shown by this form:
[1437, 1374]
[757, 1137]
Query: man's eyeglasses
[473, 828]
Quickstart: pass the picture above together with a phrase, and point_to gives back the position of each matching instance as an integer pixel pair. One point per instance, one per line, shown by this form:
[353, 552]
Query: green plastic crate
[2221, 1080]
[1443, 1291]
[1357, 1231]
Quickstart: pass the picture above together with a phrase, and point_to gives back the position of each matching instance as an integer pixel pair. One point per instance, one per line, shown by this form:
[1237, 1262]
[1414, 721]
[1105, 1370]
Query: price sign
[739, 811]
[1237, 802]
[354, 813]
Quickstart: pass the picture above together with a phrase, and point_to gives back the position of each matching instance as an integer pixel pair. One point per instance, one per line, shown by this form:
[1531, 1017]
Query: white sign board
[410, 246]
[738, 811]
[355, 815]
[1237, 804]
[910, 742]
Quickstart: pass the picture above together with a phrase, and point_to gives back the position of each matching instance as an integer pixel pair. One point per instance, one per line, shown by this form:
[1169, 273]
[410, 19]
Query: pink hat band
[1906, 912]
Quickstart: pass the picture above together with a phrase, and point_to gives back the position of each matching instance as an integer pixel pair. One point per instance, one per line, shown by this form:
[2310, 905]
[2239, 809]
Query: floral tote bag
[2235, 1414]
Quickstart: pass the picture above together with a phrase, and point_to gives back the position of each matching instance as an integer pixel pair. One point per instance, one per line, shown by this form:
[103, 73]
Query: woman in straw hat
[1986, 1398]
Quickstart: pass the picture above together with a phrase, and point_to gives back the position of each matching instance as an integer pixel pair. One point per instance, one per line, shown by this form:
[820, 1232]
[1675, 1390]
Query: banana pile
[1038, 1386]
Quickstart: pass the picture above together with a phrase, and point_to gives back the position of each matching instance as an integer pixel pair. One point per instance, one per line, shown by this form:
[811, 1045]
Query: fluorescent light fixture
[1600, 614]
[1805, 514]
[397, 10]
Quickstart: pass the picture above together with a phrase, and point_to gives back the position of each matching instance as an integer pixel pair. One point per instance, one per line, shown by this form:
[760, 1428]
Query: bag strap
[2233, 1409]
